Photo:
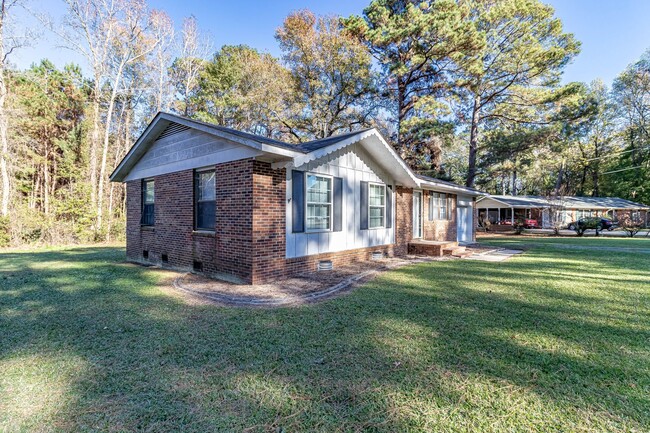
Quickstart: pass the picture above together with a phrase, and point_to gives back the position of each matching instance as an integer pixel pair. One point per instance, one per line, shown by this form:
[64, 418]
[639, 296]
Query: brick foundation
[310, 263]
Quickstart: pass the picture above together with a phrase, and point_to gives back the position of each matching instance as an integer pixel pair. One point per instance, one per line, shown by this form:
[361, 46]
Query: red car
[531, 224]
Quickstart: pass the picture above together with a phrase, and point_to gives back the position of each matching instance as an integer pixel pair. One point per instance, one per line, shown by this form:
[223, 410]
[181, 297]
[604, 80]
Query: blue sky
[614, 33]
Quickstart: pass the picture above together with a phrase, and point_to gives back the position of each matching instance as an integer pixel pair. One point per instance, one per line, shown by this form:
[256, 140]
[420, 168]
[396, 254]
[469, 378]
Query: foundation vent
[377, 255]
[198, 266]
[145, 254]
[325, 265]
[164, 258]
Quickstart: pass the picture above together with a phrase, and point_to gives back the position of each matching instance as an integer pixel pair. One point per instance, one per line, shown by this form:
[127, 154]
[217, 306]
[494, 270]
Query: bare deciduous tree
[133, 41]
[193, 49]
[9, 41]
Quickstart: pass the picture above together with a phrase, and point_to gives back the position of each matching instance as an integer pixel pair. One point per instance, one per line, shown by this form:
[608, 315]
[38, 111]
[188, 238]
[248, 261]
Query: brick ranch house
[505, 209]
[251, 209]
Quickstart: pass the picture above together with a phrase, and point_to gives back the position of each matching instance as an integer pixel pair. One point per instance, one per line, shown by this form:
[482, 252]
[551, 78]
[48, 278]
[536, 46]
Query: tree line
[465, 90]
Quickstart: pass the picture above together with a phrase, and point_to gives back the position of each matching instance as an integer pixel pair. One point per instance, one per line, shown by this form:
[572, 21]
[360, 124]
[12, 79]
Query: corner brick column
[268, 222]
[234, 220]
[403, 219]
[133, 215]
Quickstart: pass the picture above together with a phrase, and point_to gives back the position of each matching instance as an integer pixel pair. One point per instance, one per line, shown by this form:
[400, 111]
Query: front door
[465, 222]
[417, 214]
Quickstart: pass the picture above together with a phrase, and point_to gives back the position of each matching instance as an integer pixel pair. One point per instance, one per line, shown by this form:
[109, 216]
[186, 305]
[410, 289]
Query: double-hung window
[204, 199]
[438, 206]
[376, 205]
[148, 202]
[319, 203]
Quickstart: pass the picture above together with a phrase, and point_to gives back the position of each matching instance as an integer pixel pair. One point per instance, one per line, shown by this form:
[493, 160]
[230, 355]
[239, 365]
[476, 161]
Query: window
[438, 206]
[147, 202]
[376, 205]
[319, 202]
[205, 199]
[584, 213]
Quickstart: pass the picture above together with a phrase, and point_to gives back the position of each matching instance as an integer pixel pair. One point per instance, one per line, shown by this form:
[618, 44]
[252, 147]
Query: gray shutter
[363, 202]
[389, 207]
[298, 201]
[337, 224]
[431, 206]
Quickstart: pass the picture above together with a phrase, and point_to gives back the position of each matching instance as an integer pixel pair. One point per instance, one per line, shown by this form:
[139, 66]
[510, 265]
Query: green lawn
[557, 339]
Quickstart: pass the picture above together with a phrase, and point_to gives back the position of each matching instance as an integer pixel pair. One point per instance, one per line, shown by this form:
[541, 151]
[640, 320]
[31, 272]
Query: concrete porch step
[429, 248]
[451, 251]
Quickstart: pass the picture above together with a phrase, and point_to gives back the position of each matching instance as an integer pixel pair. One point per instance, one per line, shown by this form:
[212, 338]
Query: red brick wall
[643, 215]
[269, 222]
[224, 252]
[310, 263]
[234, 222]
[403, 219]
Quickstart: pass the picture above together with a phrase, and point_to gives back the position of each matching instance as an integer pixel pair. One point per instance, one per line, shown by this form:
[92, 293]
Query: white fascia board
[434, 186]
[492, 198]
[324, 151]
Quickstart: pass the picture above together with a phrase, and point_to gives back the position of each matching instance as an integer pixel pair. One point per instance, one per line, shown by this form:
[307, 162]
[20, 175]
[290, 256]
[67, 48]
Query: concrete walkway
[496, 255]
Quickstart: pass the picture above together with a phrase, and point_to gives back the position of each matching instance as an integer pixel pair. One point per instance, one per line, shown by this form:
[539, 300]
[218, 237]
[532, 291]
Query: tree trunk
[107, 133]
[94, 141]
[560, 177]
[4, 149]
[401, 114]
[46, 184]
[4, 141]
[514, 181]
[594, 171]
[583, 180]
[473, 142]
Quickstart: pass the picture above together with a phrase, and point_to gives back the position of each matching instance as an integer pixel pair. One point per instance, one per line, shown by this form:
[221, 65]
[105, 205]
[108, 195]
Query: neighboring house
[253, 209]
[505, 209]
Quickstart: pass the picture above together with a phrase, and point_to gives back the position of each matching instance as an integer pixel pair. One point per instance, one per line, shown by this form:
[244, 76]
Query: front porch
[423, 247]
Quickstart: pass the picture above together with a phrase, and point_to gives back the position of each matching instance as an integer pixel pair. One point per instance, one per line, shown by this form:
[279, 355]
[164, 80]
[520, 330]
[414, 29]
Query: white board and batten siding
[187, 149]
[354, 165]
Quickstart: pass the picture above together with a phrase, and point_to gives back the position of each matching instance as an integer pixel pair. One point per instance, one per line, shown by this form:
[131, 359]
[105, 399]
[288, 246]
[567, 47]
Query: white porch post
[512, 216]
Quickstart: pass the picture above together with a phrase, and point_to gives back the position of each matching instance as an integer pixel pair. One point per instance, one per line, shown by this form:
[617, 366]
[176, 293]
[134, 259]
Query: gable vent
[173, 128]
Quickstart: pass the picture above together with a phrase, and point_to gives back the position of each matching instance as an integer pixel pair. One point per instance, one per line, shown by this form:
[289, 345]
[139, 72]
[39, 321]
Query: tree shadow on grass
[441, 346]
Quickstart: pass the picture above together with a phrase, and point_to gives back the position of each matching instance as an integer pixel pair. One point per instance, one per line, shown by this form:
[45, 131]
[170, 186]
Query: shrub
[520, 225]
[5, 232]
[632, 226]
[588, 224]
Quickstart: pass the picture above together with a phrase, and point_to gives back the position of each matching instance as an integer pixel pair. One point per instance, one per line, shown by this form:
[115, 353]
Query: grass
[557, 339]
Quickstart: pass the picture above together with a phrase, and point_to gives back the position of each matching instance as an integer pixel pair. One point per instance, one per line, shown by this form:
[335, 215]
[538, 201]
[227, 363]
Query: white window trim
[331, 203]
[197, 201]
[434, 202]
[146, 181]
[421, 234]
[383, 224]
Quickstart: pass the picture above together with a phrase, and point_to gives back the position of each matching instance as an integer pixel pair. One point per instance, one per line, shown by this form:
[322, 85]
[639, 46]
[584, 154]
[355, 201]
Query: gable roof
[570, 202]
[285, 154]
[310, 146]
[163, 120]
